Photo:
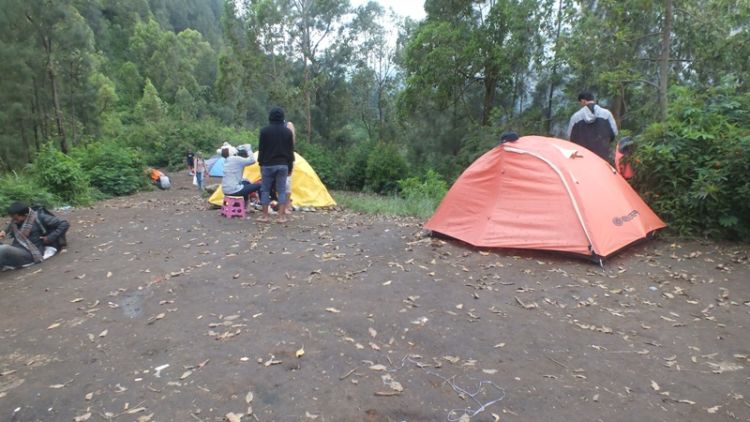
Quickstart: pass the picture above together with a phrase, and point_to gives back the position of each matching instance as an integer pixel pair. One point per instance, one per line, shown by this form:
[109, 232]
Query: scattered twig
[559, 363]
[345, 376]
[387, 393]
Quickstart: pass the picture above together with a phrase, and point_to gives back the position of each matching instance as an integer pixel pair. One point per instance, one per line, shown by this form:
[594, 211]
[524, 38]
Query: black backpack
[61, 241]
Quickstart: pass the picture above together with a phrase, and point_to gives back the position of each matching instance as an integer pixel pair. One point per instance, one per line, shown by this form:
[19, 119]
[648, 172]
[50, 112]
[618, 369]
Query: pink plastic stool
[233, 206]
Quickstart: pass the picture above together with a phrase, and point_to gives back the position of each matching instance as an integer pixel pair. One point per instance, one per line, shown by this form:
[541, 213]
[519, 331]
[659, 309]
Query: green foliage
[354, 170]
[150, 108]
[62, 175]
[112, 168]
[385, 167]
[165, 143]
[431, 187]
[393, 205]
[323, 160]
[695, 168]
[23, 188]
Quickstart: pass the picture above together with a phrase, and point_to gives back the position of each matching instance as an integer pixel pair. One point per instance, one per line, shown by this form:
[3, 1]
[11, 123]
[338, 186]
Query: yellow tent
[307, 189]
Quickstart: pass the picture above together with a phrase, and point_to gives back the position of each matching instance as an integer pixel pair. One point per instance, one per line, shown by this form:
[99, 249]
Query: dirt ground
[343, 317]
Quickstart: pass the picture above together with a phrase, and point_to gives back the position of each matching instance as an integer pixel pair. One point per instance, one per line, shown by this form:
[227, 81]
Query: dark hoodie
[276, 146]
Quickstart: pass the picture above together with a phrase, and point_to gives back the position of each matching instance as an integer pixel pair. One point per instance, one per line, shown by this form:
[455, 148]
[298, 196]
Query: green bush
[323, 161]
[385, 167]
[61, 175]
[113, 169]
[165, 143]
[22, 187]
[354, 170]
[694, 169]
[431, 186]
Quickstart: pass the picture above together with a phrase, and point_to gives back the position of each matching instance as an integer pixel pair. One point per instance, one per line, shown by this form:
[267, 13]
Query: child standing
[201, 171]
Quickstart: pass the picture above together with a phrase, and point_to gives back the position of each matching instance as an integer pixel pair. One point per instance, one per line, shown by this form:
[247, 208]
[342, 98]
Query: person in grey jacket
[232, 184]
[31, 232]
[592, 126]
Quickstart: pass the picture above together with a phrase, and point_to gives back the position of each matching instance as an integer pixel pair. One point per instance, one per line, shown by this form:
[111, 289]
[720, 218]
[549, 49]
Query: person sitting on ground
[159, 179]
[233, 184]
[275, 155]
[31, 231]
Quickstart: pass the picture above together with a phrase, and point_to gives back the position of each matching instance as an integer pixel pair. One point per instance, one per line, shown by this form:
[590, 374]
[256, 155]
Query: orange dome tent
[547, 194]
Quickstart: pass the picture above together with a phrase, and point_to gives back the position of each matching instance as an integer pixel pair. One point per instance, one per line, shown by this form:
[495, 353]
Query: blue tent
[215, 166]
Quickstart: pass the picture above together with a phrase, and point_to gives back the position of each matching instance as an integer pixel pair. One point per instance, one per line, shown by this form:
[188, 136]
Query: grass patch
[386, 205]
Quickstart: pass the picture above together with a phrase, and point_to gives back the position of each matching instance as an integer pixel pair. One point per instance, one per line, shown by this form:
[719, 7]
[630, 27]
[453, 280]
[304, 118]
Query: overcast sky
[411, 8]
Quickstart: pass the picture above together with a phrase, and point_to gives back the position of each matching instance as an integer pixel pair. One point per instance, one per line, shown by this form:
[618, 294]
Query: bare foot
[262, 219]
[281, 220]
[288, 212]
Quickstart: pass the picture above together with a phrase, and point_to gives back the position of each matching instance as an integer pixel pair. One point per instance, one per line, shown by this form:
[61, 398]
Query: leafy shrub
[113, 169]
[694, 169]
[385, 167]
[354, 170]
[61, 175]
[164, 143]
[322, 160]
[431, 186]
[22, 187]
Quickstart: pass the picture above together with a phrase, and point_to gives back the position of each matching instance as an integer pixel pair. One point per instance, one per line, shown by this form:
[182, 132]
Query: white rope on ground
[455, 415]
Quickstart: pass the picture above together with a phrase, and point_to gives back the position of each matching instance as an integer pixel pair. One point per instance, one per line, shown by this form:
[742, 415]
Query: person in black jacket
[31, 231]
[276, 157]
[592, 126]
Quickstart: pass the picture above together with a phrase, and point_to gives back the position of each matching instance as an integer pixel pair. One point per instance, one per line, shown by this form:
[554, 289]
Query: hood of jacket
[276, 115]
[589, 113]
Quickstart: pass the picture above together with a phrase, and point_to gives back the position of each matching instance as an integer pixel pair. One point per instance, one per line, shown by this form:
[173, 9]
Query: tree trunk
[308, 113]
[553, 76]
[490, 85]
[55, 96]
[664, 59]
[25, 139]
[35, 114]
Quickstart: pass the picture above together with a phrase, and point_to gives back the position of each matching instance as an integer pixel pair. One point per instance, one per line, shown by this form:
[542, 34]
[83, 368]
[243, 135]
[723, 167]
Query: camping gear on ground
[233, 206]
[307, 189]
[547, 194]
[624, 149]
[159, 179]
[164, 183]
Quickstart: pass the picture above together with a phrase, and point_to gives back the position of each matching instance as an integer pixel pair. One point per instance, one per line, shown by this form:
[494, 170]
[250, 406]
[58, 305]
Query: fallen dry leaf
[378, 367]
[301, 352]
[145, 418]
[83, 417]
[249, 397]
[155, 318]
[231, 417]
[186, 374]
[655, 386]
[103, 333]
[309, 415]
[55, 325]
[452, 359]
[333, 310]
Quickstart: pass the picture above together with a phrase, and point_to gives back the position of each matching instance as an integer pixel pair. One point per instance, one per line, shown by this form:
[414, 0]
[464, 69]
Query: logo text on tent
[619, 221]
